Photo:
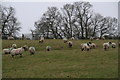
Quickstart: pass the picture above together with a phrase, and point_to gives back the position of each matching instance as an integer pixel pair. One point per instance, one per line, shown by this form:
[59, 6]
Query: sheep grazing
[10, 38]
[85, 46]
[91, 38]
[106, 45]
[14, 46]
[41, 40]
[7, 51]
[25, 47]
[65, 40]
[70, 43]
[18, 51]
[72, 38]
[48, 48]
[113, 45]
[92, 45]
[32, 50]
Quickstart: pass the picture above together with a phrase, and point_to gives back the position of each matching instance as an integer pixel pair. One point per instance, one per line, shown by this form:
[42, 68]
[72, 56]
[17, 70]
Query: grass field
[61, 61]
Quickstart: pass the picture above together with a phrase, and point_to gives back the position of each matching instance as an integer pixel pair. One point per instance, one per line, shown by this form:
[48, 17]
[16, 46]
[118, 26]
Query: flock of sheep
[84, 47]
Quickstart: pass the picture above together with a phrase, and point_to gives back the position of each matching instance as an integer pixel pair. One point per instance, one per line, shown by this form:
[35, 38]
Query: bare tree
[9, 21]
[83, 13]
[68, 17]
[50, 22]
[96, 20]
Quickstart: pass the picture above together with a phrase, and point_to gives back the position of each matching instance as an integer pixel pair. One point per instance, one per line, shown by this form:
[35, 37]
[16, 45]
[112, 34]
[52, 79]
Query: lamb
[85, 46]
[70, 43]
[92, 45]
[72, 38]
[41, 40]
[18, 51]
[113, 45]
[10, 38]
[65, 40]
[91, 38]
[25, 47]
[32, 50]
[106, 45]
[14, 46]
[7, 51]
[48, 48]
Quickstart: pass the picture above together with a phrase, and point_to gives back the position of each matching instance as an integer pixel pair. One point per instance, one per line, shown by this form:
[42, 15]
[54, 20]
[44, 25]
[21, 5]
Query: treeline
[76, 20]
[9, 25]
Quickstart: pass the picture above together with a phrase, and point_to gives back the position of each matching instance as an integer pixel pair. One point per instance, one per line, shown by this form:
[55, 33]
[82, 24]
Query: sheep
[85, 46]
[92, 45]
[32, 50]
[91, 38]
[25, 47]
[10, 38]
[70, 43]
[41, 40]
[106, 45]
[113, 45]
[18, 51]
[72, 38]
[7, 51]
[48, 48]
[65, 40]
[14, 46]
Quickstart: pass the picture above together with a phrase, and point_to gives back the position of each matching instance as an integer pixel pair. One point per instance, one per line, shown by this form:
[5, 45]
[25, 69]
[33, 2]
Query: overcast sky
[29, 12]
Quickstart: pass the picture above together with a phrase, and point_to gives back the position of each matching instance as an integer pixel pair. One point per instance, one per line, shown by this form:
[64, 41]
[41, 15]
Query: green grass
[61, 61]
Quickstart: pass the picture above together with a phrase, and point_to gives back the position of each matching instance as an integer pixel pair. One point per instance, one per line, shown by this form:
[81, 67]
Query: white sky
[29, 12]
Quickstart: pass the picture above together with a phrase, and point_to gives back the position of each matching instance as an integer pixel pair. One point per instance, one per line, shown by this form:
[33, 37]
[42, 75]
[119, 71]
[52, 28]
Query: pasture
[61, 61]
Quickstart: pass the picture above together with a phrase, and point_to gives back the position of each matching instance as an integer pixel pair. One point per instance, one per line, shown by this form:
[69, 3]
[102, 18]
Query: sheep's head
[90, 43]
[110, 42]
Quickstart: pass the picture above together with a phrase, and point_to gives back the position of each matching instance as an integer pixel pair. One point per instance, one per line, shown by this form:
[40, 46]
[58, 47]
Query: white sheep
[10, 38]
[70, 44]
[106, 45]
[91, 38]
[48, 48]
[85, 46]
[32, 50]
[65, 40]
[14, 46]
[25, 47]
[72, 38]
[92, 45]
[113, 45]
[18, 51]
[7, 51]
[41, 40]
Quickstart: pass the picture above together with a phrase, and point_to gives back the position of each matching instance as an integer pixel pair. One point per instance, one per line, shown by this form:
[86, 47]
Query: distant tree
[10, 24]
[68, 17]
[49, 22]
[83, 14]
[96, 21]
[75, 20]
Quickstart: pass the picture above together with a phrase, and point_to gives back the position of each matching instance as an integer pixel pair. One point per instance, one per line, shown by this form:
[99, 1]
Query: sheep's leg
[82, 49]
[12, 56]
[20, 55]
